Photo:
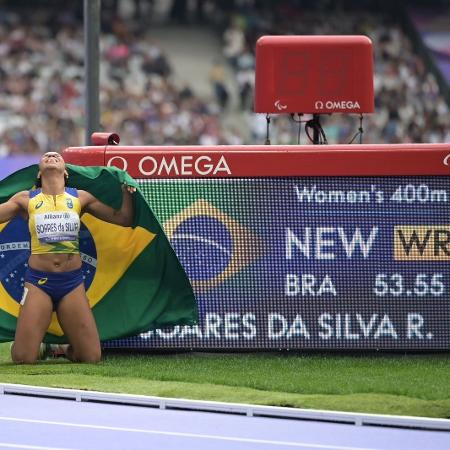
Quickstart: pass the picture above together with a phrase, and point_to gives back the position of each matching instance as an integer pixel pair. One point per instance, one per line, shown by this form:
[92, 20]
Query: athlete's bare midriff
[55, 262]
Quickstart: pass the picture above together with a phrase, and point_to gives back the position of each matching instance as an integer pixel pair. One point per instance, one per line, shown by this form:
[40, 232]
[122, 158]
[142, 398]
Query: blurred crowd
[42, 73]
[42, 84]
[408, 104]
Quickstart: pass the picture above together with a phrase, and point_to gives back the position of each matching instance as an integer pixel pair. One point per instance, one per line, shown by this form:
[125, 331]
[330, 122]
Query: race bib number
[57, 226]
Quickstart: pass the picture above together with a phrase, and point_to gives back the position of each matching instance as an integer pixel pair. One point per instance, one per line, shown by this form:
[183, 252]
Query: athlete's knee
[21, 356]
[92, 356]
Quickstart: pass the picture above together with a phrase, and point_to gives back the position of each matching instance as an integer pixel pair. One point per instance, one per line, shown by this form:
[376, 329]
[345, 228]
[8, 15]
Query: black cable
[292, 115]
[322, 134]
[314, 123]
[359, 132]
[308, 125]
[267, 130]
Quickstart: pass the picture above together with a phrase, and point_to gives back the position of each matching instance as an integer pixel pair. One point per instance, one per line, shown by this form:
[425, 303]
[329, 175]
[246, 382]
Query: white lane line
[31, 447]
[187, 435]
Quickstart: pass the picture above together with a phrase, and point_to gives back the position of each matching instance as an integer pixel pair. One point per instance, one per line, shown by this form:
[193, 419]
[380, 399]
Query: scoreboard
[299, 247]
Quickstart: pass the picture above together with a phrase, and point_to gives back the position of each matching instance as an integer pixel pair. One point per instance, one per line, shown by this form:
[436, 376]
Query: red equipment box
[314, 74]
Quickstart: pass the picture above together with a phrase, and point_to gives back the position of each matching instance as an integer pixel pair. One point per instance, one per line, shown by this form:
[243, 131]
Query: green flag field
[134, 281]
[413, 385]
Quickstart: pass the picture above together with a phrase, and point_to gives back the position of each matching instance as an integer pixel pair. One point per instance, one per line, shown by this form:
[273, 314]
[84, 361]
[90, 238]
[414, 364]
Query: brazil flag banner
[134, 281]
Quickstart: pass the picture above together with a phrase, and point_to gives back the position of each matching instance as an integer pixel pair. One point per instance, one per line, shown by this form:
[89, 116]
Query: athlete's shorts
[55, 284]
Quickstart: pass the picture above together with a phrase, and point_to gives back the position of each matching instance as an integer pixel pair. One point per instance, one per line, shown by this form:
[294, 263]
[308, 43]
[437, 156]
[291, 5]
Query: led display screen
[308, 262]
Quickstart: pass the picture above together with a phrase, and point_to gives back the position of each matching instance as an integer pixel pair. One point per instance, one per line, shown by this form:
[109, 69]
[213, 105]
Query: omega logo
[341, 104]
[124, 162]
[187, 165]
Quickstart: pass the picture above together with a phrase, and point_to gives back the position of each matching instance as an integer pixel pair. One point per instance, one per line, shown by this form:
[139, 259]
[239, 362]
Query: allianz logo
[342, 104]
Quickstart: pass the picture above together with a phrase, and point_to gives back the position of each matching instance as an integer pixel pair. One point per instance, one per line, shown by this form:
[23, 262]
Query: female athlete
[54, 280]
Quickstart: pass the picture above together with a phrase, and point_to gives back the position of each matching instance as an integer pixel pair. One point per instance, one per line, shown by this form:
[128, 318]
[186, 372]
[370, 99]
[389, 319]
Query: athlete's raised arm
[123, 216]
[16, 205]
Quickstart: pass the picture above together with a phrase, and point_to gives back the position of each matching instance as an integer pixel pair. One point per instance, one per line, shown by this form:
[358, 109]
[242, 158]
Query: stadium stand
[41, 77]
[409, 106]
[41, 88]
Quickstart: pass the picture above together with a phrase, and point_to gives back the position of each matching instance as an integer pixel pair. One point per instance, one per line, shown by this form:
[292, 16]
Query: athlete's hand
[130, 189]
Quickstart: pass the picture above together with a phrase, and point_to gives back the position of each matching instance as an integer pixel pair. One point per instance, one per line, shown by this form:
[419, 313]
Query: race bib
[57, 226]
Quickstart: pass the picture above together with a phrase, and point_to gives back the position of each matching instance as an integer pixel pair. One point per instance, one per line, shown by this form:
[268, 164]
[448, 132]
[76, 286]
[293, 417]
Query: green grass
[417, 385]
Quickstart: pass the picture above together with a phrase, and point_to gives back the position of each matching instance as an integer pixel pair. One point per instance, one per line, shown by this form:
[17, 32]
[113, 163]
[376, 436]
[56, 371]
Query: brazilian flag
[134, 281]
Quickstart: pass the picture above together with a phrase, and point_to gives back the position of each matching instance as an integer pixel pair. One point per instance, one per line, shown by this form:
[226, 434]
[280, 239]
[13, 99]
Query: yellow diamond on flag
[117, 248]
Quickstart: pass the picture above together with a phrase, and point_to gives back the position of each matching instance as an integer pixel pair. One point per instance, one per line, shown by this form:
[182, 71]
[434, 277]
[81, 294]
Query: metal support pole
[92, 63]
[316, 135]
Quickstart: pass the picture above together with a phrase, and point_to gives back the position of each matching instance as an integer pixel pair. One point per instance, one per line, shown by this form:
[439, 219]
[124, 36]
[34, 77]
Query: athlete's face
[52, 160]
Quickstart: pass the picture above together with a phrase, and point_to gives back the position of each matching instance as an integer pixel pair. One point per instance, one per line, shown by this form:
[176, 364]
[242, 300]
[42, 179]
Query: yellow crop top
[54, 222]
